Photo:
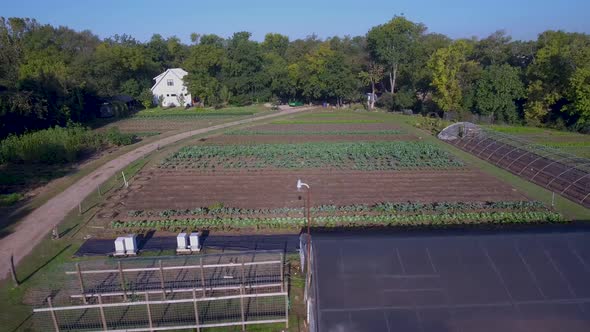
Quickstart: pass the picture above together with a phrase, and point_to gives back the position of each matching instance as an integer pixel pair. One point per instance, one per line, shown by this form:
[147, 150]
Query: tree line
[55, 75]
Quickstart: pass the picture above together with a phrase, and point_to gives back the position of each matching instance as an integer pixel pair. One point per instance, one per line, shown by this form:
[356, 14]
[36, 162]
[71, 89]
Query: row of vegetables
[497, 217]
[345, 155]
[383, 207]
[310, 132]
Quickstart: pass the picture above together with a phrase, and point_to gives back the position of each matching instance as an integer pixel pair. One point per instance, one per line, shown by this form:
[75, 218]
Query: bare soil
[185, 189]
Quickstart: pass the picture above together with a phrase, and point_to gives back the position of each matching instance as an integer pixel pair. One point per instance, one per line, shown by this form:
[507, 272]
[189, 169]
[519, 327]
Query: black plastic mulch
[285, 242]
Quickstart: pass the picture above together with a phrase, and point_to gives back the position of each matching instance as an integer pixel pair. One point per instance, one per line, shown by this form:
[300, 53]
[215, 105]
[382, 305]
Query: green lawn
[566, 141]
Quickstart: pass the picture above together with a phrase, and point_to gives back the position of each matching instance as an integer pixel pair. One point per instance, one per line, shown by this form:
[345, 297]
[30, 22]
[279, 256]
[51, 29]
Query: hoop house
[555, 170]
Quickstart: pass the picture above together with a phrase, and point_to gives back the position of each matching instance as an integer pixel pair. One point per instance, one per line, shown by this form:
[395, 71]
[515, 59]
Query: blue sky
[523, 19]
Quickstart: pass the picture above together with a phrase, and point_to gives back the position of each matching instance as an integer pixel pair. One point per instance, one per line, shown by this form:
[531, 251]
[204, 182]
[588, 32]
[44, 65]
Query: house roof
[178, 72]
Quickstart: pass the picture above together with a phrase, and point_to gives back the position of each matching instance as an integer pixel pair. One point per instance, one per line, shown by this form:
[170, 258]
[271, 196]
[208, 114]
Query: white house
[170, 86]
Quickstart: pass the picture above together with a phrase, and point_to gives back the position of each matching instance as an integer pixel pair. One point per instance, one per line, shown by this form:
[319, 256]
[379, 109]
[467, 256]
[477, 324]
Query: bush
[385, 101]
[59, 144]
[116, 137]
[241, 100]
[49, 146]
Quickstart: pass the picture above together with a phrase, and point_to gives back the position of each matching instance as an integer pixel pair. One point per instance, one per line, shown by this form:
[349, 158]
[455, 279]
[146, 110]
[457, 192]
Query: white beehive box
[130, 244]
[182, 241]
[120, 246]
[195, 241]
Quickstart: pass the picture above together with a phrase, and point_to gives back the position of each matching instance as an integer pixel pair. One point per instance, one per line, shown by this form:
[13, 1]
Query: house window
[186, 94]
[167, 95]
[173, 95]
[170, 82]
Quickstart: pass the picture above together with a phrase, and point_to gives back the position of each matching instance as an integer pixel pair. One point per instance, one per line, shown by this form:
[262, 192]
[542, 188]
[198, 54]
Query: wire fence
[556, 170]
[168, 293]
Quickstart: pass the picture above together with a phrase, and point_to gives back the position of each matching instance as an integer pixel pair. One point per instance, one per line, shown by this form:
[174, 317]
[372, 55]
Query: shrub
[58, 145]
[385, 101]
[49, 146]
[116, 137]
[241, 100]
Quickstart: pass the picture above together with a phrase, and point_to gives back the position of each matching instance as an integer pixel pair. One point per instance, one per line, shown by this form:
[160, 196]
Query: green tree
[497, 90]
[146, 98]
[370, 77]
[555, 76]
[393, 45]
[446, 64]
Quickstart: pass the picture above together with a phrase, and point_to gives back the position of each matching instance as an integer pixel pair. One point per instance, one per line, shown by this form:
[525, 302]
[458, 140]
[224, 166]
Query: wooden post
[81, 281]
[203, 278]
[13, 271]
[80, 208]
[103, 318]
[149, 311]
[196, 310]
[124, 180]
[242, 307]
[243, 278]
[98, 187]
[162, 280]
[53, 317]
[552, 199]
[122, 277]
[286, 311]
[282, 273]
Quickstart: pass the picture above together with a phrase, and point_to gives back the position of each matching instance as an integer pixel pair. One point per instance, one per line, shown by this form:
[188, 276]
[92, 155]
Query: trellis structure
[558, 171]
[173, 293]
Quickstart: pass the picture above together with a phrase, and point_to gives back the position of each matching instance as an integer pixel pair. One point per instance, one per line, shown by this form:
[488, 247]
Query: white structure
[195, 242]
[120, 246]
[170, 86]
[182, 243]
[130, 244]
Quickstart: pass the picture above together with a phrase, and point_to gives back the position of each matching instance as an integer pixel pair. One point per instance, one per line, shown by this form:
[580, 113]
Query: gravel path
[32, 229]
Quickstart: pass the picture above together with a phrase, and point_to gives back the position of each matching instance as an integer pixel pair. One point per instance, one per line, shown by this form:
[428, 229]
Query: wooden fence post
[242, 307]
[149, 311]
[162, 280]
[286, 310]
[203, 278]
[282, 273]
[243, 277]
[81, 281]
[196, 310]
[122, 277]
[103, 318]
[53, 316]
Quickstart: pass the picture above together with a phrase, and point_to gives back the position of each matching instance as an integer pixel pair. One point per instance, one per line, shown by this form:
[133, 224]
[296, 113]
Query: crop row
[349, 155]
[355, 220]
[384, 207]
[326, 132]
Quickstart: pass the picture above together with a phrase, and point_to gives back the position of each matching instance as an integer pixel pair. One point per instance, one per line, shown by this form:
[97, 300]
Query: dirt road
[31, 230]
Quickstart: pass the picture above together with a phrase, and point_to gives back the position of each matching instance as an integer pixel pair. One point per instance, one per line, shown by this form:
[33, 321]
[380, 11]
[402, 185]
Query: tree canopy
[54, 75]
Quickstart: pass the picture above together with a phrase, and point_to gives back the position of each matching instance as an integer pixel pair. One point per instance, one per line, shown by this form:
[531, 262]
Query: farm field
[163, 121]
[365, 170]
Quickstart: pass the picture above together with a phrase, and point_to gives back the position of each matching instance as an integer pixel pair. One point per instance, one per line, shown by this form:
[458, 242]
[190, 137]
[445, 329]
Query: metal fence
[168, 293]
[558, 171]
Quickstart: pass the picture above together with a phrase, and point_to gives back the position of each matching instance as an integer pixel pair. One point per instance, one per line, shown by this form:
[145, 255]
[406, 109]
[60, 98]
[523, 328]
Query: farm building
[169, 86]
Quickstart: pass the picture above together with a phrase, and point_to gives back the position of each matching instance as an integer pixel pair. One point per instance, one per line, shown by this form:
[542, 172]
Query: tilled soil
[185, 189]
